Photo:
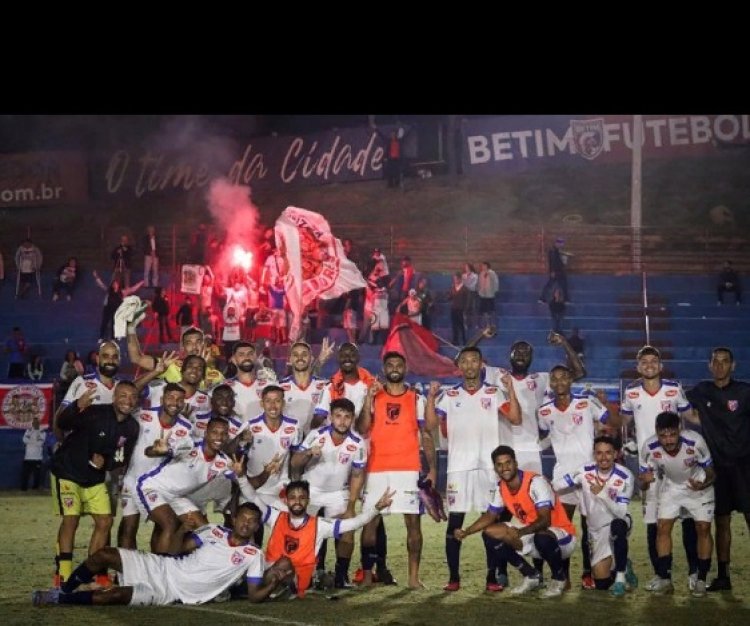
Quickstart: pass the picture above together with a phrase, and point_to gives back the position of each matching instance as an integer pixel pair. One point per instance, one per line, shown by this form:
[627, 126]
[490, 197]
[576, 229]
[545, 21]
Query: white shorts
[379, 318]
[146, 574]
[600, 541]
[649, 500]
[674, 503]
[529, 461]
[472, 490]
[566, 541]
[334, 502]
[406, 498]
[131, 504]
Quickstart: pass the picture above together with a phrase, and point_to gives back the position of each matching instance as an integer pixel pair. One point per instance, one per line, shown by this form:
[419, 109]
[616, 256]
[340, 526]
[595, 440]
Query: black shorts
[27, 278]
[486, 305]
[732, 487]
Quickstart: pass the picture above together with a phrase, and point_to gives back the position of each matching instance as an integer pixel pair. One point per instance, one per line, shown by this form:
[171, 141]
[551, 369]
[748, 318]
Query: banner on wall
[43, 179]
[19, 404]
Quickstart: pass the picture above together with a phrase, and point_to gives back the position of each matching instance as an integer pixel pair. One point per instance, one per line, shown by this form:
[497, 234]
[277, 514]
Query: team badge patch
[666, 405]
[344, 458]
[531, 384]
[486, 403]
[393, 411]
[315, 398]
[217, 533]
[285, 442]
[588, 137]
[67, 502]
[237, 558]
[732, 405]
[577, 419]
[291, 544]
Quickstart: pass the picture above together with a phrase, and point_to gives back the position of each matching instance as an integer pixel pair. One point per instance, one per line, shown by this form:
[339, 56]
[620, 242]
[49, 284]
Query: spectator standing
[29, 263]
[160, 306]
[557, 259]
[35, 368]
[33, 441]
[470, 279]
[122, 256]
[459, 297]
[729, 282]
[65, 279]
[557, 310]
[150, 258]
[17, 349]
[184, 317]
[487, 288]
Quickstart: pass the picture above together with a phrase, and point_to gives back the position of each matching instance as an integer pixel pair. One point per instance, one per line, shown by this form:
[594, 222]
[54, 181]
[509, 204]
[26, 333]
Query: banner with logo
[19, 404]
[43, 179]
[316, 266]
[192, 278]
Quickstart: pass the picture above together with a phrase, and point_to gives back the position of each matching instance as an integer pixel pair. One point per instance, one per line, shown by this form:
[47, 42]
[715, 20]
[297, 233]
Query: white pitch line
[249, 616]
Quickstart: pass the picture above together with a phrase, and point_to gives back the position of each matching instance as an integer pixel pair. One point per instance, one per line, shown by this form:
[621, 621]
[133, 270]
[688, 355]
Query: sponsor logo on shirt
[656, 455]
[145, 417]
[194, 453]
[452, 392]
[257, 428]
[180, 433]
[289, 429]
[320, 385]
[217, 533]
[490, 391]
[689, 451]
[201, 399]
[582, 404]
[220, 464]
[351, 447]
[545, 412]
[671, 393]
[632, 395]
[90, 385]
[249, 550]
[617, 483]
[286, 386]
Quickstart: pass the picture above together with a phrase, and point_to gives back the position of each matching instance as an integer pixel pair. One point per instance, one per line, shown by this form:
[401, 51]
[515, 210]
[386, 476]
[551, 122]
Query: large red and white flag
[315, 261]
[19, 404]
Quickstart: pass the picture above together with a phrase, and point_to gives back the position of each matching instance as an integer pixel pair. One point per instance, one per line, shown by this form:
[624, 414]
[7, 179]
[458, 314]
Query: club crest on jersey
[577, 419]
[671, 393]
[152, 496]
[392, 411]
[588, 137]
[291, 544]
[666, 405]
[67, 502]
[344, 458]
[237, 558]
[285, 442]
[531, 384]
[689, 462]
[486, 403]
[315, 398]
[732, 405]
[612, 493]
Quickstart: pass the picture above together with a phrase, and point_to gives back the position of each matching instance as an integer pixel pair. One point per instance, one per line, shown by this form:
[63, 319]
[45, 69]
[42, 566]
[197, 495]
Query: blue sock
[690, 543]
[619, 533]
[653, 555]
[547, 546]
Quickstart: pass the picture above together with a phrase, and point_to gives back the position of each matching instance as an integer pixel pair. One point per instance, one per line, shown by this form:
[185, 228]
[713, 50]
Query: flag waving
[315, 262]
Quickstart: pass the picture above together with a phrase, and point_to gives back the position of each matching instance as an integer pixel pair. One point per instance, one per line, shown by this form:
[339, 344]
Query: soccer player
[273, 435]
[476, 418]
[605, 489]
[196, 405]
[393, 418]
[544, 530]
[333, 460]
[178, 478]
[192, 342]
[212, 559]
[302, 390]
[644, 399]
[350, 381]
[163, 434]
[683, 459]
[101, 437]
[297, 535]
[247, 387]
[531, 391]
[571, 421]
[723, 407]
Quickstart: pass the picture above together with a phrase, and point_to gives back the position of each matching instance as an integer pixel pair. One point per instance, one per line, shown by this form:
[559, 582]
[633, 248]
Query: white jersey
[330, 472]
[474, 425]
[82, 384]
[196, 406]
[572, 431]
[266, 444]
[610, 503]
[539, 489]
[247, 397]
[177, 436]
[211, 568]
[644, 407]
[300, 403]
[532, 391]
[690, 460]
[356, 392]
[179, 477]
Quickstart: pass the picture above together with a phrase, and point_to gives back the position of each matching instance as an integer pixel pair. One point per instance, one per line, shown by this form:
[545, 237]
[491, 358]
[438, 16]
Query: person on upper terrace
[729, 282]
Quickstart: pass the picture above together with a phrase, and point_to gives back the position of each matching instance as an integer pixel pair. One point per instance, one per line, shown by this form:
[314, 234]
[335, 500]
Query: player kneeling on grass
[683, 459]
[605, 489]
[543, 531]
[214, 559]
